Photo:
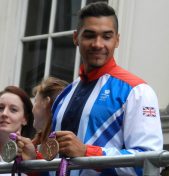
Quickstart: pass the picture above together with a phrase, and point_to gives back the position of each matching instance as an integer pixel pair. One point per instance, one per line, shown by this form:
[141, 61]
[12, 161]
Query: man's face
[97, 40]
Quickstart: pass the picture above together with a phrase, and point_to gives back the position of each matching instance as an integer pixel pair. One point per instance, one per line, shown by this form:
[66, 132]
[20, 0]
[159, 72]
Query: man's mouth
[97, 53]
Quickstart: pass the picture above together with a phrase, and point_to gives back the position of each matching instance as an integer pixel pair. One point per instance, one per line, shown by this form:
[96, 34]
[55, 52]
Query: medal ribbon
[63, 167]
[17, 160]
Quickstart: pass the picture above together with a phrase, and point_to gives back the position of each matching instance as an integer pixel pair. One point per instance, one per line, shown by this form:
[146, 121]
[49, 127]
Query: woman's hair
[50, 87]
[27, 130]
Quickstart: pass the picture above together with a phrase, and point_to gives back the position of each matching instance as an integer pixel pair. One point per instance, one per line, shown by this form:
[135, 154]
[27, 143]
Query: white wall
[144, 45]
[10, 19]
[144, 48]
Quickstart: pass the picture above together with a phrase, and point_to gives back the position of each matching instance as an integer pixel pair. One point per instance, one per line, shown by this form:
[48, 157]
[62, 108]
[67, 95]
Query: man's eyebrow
[110, 32]
[88, 31]
[91, 31]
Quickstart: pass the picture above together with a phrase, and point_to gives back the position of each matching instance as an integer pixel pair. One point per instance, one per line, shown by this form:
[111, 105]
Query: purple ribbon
[13, 136]
[63, 168]
[52, 134]
[15, 166]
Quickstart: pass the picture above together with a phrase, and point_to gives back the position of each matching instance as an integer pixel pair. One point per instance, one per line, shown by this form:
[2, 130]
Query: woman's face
[11, 113]
[40, 112]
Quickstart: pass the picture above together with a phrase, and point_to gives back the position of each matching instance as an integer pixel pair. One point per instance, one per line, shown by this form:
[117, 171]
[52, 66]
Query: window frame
[49, 37]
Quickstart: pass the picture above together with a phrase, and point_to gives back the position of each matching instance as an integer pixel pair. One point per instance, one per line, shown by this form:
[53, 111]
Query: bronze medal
[50, 149]
[9, 151]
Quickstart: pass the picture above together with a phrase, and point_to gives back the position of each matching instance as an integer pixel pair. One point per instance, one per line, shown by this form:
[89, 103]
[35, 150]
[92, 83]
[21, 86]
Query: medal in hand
[50, 148]
[10, 149]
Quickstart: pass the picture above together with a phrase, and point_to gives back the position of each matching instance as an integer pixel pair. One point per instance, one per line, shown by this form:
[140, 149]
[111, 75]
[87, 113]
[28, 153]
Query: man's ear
[75, 38]
[117, 40]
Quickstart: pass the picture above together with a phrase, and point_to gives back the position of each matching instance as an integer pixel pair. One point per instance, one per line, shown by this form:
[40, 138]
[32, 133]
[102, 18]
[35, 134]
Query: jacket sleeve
[141, 129]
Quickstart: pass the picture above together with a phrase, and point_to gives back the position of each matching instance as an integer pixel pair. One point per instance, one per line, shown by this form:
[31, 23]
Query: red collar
[98, 72]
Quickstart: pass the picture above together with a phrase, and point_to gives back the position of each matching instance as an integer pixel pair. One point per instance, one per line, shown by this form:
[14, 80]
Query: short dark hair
[97, 9]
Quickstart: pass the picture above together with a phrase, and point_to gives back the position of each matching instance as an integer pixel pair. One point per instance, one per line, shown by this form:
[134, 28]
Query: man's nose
[98, 42]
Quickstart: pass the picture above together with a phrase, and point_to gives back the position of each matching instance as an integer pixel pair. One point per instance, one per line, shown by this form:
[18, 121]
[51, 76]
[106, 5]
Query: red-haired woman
[15, 115]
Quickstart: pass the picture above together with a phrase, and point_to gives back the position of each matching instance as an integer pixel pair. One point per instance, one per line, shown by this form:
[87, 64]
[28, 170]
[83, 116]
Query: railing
[150, 161]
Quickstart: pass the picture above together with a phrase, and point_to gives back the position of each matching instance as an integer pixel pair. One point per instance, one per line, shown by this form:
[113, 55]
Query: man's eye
[107, 37]
[88, 36]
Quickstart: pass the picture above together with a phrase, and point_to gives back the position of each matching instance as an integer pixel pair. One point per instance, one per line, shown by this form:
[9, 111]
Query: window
[48, 47]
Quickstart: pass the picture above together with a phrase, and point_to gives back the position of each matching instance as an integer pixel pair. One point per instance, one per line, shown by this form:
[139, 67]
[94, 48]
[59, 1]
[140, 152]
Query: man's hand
[26, 149]
[69, 144]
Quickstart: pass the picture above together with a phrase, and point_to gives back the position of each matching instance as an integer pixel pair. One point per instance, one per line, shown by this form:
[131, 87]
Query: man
[107, 110]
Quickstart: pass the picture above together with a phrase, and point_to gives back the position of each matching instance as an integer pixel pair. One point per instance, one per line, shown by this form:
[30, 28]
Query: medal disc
[9, 151]
[50, 149]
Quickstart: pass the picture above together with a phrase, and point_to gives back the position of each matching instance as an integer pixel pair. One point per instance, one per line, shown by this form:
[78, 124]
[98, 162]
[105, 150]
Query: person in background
[45, 93]
[15, 115]
[107, 110]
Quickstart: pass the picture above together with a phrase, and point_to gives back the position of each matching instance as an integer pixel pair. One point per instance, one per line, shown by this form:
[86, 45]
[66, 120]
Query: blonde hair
[50, 87]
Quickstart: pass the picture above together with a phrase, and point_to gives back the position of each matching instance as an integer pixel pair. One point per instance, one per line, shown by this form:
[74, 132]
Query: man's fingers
[63, 133]
[65, 136]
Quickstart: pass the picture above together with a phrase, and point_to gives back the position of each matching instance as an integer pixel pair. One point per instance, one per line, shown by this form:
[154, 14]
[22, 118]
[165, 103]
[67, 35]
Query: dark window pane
[166, 147]
[38, 17]
[66, 15]
[33, 64]
[63, 58]
[89, 1]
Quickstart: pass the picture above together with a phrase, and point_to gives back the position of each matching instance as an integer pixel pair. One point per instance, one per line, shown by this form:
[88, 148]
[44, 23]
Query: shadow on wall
[165, 112]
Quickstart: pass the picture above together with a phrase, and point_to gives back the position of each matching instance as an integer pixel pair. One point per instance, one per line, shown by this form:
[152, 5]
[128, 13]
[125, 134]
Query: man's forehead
[95, 23]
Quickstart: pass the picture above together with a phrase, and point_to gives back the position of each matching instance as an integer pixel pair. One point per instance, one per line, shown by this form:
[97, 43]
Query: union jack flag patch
[149, 111]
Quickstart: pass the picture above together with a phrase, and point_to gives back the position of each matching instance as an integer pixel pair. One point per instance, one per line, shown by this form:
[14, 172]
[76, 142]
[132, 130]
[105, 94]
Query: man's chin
[98, 64]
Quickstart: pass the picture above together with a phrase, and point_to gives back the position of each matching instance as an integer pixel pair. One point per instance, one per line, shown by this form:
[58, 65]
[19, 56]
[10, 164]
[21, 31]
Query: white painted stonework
[144, 42]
